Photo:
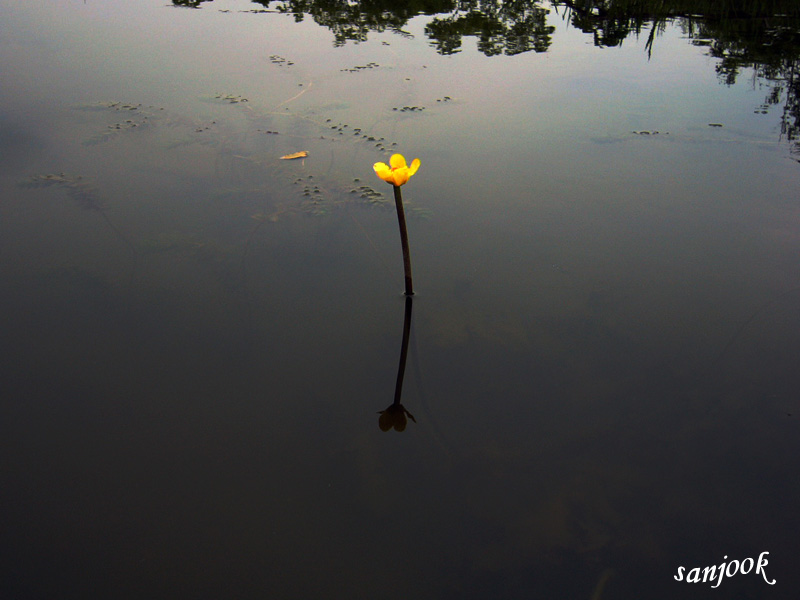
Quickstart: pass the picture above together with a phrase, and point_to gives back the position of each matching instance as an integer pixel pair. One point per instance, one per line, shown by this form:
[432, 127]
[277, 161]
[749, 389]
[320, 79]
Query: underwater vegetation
[246, 142]
[77, 188]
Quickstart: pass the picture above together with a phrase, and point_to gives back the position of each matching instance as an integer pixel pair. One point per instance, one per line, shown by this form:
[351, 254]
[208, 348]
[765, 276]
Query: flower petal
[414, 167]
[383, 171]
[397, 161]
[401, 175]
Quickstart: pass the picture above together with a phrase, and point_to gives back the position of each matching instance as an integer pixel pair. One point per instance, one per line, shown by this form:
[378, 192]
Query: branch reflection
[758, 35]
[395, 416]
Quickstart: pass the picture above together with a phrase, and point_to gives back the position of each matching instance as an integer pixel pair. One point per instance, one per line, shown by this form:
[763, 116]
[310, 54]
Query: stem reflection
[395, 416]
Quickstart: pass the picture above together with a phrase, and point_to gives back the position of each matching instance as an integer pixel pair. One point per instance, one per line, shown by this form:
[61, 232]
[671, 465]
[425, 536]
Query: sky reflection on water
[198, 337]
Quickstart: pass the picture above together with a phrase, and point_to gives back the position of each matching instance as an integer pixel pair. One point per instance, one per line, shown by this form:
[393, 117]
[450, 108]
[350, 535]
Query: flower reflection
[394, 417]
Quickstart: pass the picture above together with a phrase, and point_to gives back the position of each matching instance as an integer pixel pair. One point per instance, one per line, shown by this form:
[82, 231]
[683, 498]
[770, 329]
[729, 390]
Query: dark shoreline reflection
[762, 36]
[394, 416]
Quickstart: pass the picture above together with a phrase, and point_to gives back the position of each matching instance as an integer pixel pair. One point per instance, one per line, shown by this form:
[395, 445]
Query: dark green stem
[401, 219]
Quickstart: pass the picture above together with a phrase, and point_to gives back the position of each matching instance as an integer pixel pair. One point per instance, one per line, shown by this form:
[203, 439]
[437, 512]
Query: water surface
[197, 337]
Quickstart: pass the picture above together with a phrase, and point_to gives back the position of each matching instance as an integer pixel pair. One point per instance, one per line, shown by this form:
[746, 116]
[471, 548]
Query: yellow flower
[398, 173]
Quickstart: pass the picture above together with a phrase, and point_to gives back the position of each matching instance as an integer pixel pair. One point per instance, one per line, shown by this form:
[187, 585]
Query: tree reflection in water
[758, 35]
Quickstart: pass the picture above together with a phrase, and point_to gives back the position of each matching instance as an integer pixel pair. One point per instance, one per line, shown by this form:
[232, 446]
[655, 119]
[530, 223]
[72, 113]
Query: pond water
[198, 337]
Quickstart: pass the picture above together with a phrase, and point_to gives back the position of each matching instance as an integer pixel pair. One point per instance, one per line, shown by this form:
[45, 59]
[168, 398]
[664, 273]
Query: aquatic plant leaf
[116, 106]
[136, 117]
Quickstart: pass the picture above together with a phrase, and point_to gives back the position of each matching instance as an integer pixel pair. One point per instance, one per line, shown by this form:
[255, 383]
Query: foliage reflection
[758, 35]
[763, 35]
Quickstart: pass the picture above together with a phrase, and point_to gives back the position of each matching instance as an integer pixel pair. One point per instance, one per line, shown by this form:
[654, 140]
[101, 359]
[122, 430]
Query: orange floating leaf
[301, 154]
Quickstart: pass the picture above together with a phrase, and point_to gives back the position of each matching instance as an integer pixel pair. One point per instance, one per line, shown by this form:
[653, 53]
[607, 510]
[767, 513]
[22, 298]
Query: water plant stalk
[397, 173]
[401, 220]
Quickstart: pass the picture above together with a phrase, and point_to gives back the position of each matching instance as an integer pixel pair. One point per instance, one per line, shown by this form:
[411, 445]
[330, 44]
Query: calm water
[197, 337]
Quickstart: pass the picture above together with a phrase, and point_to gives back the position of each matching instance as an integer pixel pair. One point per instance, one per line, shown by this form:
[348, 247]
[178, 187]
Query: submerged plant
[397, 173]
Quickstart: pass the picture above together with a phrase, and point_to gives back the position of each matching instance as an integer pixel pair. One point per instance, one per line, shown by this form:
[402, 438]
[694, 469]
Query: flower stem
[401, 219]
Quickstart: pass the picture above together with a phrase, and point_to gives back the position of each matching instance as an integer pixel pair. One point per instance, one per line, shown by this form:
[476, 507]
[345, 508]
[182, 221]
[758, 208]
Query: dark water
[197, 337]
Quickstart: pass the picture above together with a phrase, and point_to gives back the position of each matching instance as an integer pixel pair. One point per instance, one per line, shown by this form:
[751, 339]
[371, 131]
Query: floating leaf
[301, 154]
